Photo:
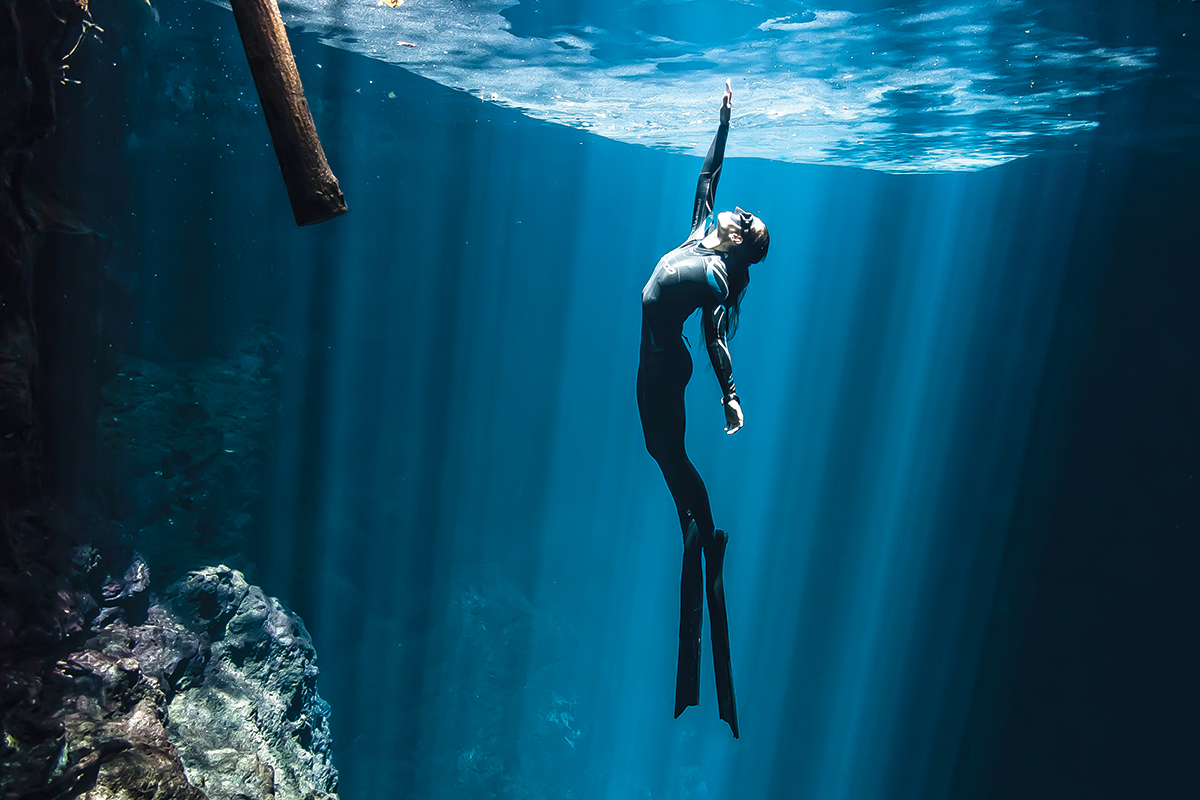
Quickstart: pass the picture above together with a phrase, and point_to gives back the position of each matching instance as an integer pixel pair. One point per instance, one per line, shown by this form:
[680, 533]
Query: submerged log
[311, 185]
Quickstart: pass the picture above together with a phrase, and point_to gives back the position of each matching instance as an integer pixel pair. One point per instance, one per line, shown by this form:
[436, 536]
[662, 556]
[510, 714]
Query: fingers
[733, 417]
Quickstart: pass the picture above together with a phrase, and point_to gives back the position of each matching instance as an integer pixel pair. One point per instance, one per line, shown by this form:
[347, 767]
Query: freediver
[709, 272]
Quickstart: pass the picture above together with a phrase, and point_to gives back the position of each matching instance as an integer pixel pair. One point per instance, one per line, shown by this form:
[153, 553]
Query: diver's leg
[691, 617]
[687, 487]
[714, 562]
[662, 377]
[661, 380]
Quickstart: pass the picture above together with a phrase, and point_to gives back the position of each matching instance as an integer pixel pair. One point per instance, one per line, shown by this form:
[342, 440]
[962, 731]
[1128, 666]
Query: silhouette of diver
[709, 272]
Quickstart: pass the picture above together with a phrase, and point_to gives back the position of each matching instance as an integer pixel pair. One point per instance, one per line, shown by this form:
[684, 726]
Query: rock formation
[206, 691]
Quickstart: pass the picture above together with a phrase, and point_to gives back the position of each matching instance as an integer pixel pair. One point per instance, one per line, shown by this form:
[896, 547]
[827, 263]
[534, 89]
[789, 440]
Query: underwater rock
[212, 696]
[249, 723]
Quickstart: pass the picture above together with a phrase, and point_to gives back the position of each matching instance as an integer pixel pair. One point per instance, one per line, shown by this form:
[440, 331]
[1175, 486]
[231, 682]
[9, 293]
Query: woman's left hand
[733, 416]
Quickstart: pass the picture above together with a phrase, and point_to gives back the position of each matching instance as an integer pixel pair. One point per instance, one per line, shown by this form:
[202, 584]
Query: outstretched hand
[727, 102]
[733, 416]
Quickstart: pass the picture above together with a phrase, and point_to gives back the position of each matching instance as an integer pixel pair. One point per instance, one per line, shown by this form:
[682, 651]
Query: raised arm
[716, 326]
[710, 173]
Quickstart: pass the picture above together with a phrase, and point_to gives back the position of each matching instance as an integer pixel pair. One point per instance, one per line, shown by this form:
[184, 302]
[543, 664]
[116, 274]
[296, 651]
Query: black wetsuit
[689, 278]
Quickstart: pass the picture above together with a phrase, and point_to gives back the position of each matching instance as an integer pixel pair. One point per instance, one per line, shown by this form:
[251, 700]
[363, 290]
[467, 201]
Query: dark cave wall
[27, 31]
[40, 602]
[68, 79]
[53, 362]
[34, 558]
[54, 354]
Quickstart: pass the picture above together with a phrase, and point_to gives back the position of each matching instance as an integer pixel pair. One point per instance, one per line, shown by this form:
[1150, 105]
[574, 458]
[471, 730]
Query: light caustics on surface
[926, 88]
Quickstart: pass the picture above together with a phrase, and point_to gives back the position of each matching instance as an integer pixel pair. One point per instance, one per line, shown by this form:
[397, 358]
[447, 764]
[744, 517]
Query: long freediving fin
[691, 617]
[714, 562]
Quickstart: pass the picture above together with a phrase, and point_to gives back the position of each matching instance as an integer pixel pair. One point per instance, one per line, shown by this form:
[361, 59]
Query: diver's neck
[714, 242]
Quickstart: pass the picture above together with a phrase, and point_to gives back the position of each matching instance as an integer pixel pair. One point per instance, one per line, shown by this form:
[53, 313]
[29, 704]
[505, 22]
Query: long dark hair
[752, 250]
[739, 280]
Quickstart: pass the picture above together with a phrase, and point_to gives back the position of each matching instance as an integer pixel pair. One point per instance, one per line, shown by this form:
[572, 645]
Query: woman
[709, 272]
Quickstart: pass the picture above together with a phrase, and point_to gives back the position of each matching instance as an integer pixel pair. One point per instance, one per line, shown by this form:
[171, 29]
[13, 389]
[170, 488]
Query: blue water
[458, 501]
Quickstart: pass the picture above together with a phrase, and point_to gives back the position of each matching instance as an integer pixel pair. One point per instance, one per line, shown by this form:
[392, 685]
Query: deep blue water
[460, 506]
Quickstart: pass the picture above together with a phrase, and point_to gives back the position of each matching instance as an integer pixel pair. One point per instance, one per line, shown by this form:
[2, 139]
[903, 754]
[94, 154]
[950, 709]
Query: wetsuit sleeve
[716, 324]
[710, 173]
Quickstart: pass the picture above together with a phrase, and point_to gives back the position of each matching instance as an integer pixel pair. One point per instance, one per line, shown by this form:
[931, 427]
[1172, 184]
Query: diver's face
[732, 224]
[729, 227]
